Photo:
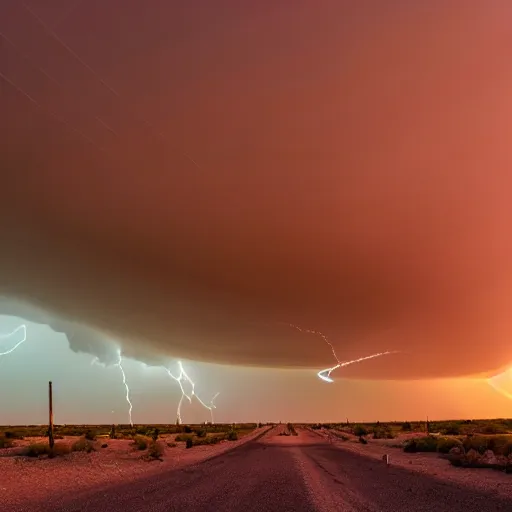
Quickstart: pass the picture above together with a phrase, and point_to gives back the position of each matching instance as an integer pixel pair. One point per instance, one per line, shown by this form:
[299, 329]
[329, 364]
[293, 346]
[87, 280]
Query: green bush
[83, 445]
[452, 429]
[383, 433]
[183, 437]
[36, 450]
[232, 435]
[499, 444]
[201, 432]
[90, 435]
[140, 442]
[187, 429]
[156, 450]
[6, 442]
[12, 434]
[421, 444]
[494, 429]
[59, 449]
[445, 444]
[359, 431]
[207, 440]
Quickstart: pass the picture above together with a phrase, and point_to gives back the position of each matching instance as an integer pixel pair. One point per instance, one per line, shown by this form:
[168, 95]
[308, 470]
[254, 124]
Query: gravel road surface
[280, 473]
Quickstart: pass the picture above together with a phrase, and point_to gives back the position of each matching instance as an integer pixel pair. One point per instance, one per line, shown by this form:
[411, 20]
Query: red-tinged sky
[193, 178]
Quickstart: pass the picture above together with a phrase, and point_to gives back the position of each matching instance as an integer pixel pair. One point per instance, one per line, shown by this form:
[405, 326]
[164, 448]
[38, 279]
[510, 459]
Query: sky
[210, 181]
[86, 393]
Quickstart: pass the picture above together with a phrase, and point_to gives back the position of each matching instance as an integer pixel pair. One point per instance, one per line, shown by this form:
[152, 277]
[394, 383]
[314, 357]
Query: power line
[43, 71]
[49, 111]
[55, 36]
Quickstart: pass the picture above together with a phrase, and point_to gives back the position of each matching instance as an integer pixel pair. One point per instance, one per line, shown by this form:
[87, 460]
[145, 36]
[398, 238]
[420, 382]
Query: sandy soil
[78, 472]
[486, 480]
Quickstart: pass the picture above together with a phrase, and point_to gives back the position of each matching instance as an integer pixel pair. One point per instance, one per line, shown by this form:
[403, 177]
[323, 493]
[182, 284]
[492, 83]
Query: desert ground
[261, 468]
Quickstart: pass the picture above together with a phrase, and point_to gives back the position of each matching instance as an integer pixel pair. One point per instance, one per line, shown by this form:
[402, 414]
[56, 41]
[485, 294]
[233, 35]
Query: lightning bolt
[22, 328]
[325, 375]
[119, 364]
[180, 379]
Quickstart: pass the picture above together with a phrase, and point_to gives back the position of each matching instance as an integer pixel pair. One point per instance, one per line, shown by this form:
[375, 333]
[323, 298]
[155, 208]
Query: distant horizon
[263, 423]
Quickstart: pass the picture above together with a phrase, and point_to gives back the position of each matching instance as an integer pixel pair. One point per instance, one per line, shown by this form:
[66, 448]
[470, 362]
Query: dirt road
[277, 473]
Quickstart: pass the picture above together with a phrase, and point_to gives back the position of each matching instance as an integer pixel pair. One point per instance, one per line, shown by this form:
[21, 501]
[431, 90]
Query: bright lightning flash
[325, 375]
[180, 379]
[119, 364]
[23, 329]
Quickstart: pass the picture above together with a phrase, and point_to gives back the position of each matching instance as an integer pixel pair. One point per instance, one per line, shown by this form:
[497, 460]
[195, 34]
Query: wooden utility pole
[50, 418]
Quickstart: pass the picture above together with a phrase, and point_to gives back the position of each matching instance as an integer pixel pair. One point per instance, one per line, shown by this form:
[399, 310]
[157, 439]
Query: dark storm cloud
[340, 167]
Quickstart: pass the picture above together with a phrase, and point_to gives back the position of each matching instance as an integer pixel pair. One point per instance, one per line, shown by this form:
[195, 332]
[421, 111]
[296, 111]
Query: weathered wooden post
[50, 419]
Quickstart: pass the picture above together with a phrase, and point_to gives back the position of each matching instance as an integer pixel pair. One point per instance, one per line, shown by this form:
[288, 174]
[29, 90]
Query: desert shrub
[383, 433]
[201, 432]
[187, 429]
[104, 445]
[183, 437]
[445, 444]
[59, 449]
[112, 433]
[141, 442]
[406, 426]
[362, 440]
[83, 445]
[452, 429]
[13, 434]
[90, 435]
[259, 425]
[421, 444]
[493, 429]
[156, 450]
[6, 442]
[291, 429]
[189, 443]
[207, 440]
[232, 435]
[155, 434]
[36, 450]
[359, 431]
[172, 445]
[499, 444]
